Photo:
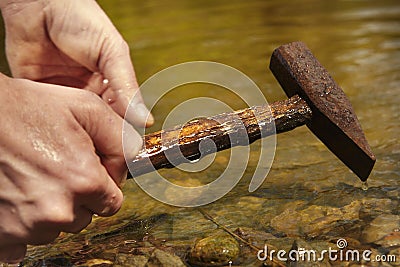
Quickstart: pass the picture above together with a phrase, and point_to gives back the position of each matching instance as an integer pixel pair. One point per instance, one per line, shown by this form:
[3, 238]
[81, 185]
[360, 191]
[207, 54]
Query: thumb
[99, 48]
[123, 89]
[105, 128]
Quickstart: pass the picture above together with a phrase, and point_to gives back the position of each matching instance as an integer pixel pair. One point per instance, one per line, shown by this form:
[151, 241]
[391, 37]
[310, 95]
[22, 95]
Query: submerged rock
[274, 207]
[157, 258]
[164, 259]
[215, 250]
[98, 262]
[314, 220]
[390, 240]
[373, 207]
[253, 236]
[131, 260]
[250, 203]
[383, 230]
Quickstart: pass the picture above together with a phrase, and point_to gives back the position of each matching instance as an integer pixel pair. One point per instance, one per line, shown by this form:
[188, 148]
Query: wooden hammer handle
[226, 130]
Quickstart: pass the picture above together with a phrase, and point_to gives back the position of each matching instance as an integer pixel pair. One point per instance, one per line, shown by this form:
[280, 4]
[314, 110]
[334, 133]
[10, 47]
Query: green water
[357, 41]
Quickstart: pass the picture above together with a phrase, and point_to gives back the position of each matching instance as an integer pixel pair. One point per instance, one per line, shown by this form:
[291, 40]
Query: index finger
[104, 127]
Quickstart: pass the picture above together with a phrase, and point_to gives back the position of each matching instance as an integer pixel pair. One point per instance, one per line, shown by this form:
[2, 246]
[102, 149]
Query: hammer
[314, 99]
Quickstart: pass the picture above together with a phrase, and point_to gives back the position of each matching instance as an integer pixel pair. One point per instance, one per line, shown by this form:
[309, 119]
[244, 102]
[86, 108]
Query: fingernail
[150, 120]
[143, 112]
[105, 211]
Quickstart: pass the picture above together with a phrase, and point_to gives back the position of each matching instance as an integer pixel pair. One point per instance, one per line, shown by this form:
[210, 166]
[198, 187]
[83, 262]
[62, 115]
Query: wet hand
[61, 161]
[73, 43]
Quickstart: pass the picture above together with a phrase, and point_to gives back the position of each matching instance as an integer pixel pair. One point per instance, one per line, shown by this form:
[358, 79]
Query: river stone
[274, 207]
[160, 258]
[131, 260]
[373, 207]
[98, 262]
[314, 220]
[390, 240]
[215, 250]
[253, 236]
[250, 203]
[382, 226]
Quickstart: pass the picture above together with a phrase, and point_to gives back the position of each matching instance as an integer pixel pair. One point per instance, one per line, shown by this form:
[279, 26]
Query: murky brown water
[309, 195]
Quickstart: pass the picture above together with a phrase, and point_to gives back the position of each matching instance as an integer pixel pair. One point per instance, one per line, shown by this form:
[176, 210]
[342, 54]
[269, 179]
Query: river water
[309, 196]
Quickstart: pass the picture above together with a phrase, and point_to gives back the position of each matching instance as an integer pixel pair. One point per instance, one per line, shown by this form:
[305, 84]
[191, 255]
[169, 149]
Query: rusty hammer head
[333, 121]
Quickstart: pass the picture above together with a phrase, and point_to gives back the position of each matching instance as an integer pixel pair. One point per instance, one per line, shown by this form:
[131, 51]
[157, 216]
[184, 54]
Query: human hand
[73, 43]
[60, 162]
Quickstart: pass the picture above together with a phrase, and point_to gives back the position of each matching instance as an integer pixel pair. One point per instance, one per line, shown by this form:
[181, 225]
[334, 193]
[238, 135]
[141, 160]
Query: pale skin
[61, 158]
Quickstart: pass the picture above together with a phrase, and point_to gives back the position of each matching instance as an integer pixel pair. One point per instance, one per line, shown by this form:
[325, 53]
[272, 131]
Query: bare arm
[61, 157]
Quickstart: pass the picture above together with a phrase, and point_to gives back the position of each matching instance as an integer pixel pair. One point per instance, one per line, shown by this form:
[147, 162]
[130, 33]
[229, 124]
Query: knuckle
[87, 178]
[53, 211]
[112, 203]
[85, 95]
[118, 46]
[88, 184]
[87, 106]
[57, 215]
[90, 100]
[124, 46]
[113, 49]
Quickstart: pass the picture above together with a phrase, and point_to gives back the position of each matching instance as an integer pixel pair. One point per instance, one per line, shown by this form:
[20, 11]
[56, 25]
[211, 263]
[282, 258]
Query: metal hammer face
[333, 121]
